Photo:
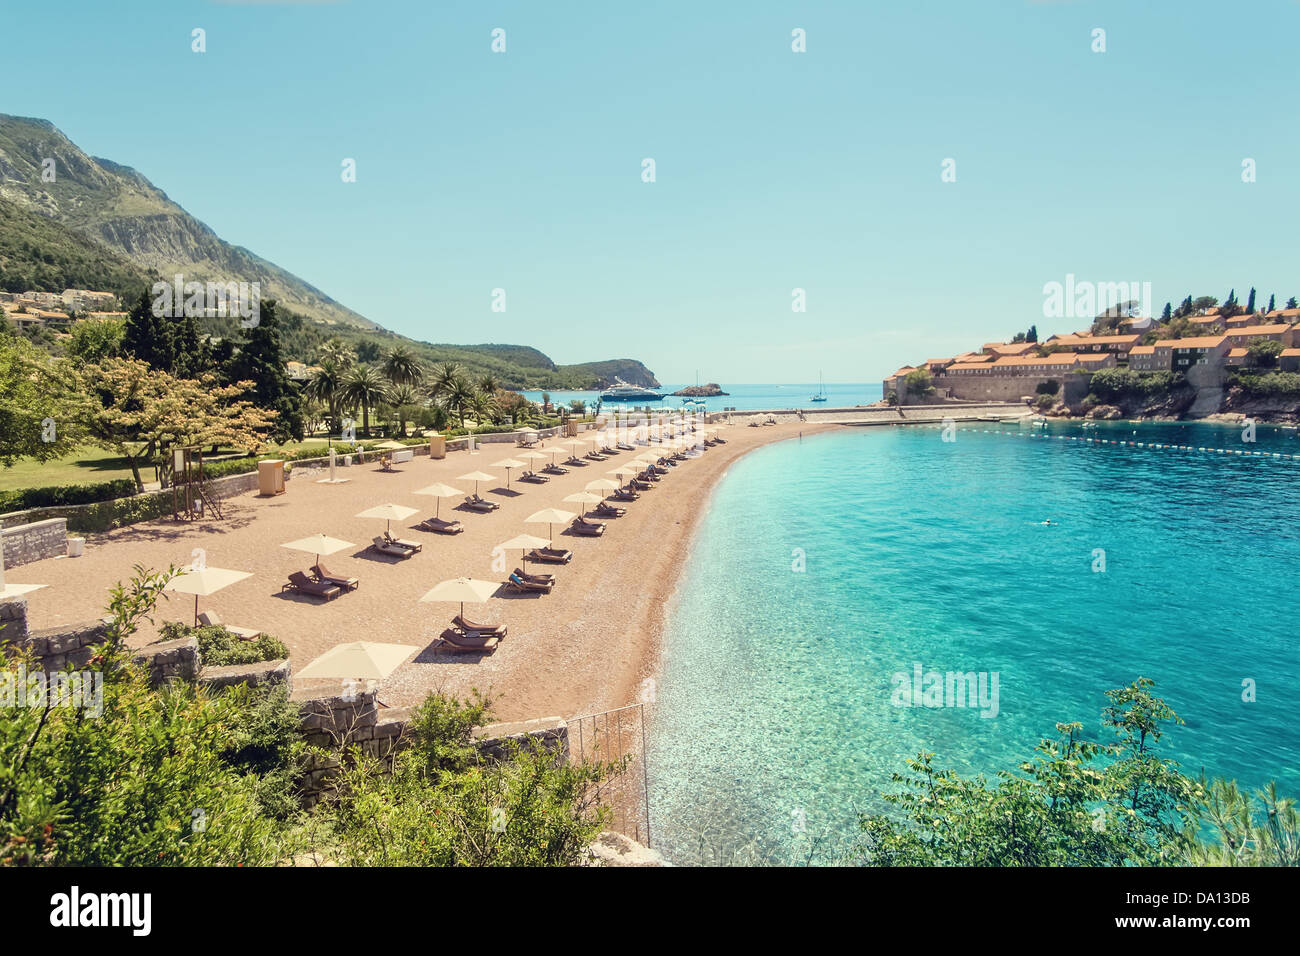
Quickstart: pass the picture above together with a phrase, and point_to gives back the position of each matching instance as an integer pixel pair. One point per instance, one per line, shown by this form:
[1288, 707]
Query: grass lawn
[88, 466]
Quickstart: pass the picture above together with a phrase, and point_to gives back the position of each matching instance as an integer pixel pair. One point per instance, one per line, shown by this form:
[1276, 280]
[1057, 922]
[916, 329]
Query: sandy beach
[585, 647]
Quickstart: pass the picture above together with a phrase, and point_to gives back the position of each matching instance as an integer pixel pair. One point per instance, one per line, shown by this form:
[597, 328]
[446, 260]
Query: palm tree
[338, 352]
[365, 387]
[325, 386]
[403, 398]
[444, 378]
[458, 398]
[488, 385]
[482, 405]
[401, 367]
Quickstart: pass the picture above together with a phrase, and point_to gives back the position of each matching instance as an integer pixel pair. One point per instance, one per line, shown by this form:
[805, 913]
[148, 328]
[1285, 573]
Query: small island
[700, 391]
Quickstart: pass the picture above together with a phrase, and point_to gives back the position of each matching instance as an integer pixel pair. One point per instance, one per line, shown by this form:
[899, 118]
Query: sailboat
[821, 390]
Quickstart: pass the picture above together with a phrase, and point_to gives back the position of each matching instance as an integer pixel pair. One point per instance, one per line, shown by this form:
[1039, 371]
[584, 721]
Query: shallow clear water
[774, 710]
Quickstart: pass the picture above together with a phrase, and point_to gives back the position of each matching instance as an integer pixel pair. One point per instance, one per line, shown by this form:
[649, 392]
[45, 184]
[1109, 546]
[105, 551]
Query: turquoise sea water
[745, 397]
[774, 724]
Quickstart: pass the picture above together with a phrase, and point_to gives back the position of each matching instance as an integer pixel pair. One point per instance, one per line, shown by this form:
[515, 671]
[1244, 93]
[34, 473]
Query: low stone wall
[262, 673]
[25, 543]
[170, 660]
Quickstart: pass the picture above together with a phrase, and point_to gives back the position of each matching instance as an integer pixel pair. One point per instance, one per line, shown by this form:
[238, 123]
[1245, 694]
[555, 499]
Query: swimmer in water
[1047, 522]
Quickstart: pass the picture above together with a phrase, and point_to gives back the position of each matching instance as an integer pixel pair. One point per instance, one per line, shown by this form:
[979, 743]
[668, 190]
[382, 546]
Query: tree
[1167, 314]
[125, 406]
[365, 387]
[260, 360]
[94, 339]
[404, 398]
[192, 356]
[338, 352]
[445, 377]
[1270, 302]
[1032, 334]
[1264, 352]
[1239, 839]
[1250, 302]
[401, 367]
[1057, 810]
[326, 387]
[149, 337]
[33, 402]
[918, 382]
[1291, 303]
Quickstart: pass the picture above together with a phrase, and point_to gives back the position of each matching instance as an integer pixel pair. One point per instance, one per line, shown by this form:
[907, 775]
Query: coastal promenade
[879, 415]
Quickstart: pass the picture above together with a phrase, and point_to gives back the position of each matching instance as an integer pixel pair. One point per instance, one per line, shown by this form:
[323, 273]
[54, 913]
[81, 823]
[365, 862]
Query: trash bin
[437, 446]
[76, 547]
[270, 477]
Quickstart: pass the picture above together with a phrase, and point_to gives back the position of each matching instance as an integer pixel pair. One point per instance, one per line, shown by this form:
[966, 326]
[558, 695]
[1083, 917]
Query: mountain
[102, 225]
[119, 208]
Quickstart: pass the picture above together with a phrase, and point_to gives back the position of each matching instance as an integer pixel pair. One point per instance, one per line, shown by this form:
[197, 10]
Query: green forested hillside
[41, 254]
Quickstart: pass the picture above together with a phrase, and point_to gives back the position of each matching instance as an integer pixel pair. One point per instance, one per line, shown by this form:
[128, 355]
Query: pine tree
[1168, 313]
[193, 354]
[1291, 303]
[260, 360]
[1270, 302]
[1250, 301]
[149, 337]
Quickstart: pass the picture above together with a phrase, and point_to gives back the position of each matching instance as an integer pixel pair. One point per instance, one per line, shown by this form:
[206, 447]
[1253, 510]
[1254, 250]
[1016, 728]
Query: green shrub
[1267, 384]
[1111, 384]
[220, 648]
[56, 495]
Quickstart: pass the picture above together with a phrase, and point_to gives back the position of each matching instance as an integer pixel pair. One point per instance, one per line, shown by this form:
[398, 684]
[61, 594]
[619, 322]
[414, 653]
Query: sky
[774, 170]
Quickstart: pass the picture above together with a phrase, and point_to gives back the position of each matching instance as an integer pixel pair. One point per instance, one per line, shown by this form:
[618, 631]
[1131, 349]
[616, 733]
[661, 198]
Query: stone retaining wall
[25, 543]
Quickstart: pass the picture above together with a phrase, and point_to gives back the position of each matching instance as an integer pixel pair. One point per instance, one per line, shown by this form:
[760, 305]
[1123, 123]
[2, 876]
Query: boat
[821, 391]
[621, 391]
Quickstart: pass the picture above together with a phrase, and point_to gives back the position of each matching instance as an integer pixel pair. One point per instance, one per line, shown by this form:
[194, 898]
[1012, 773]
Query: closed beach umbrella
[363, 660]
[318, 544]
[523, 542]
[583, 498]
[476, 477]
[204, 581]
[550, 516]
[460, 590]
[389, 513]
[507, 464]
[440, 491]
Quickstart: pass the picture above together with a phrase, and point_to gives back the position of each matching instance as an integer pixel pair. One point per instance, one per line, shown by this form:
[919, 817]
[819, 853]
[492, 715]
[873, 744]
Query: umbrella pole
[196, 610]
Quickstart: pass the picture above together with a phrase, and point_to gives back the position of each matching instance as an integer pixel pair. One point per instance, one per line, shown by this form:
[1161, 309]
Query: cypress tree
[260, 359]
[149, 337]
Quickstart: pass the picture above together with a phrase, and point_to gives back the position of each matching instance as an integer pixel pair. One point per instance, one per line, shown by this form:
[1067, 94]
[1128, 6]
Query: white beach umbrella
[550, 516]
[363, 660]
[583, 498]
[388, 512]
[523, 542]
[507, 464]
[204, 581]
[476, 477]
[439, 491]
[318, 544]
[460, 590]
[602, 484]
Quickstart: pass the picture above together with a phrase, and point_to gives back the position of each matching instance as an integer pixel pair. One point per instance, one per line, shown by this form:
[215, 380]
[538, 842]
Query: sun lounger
[478, 630]
[607, 451]
[323, 574]
[389, 548]
[457, 642]
[640, 484]
[403, 543]
[550, 555]
[625, 494]
[298, 581]
[555, 470]
[516, 583]
[608, 511]
[210, 619]
[595, 456]
[623, 446]
[480, 504]
[440, 526]
[591, 529]
[574, 460]
[534, 477]
[720, 441]
[535, 578]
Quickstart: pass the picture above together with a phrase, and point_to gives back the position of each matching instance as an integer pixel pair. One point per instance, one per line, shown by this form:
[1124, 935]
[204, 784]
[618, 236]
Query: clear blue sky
[775, 170]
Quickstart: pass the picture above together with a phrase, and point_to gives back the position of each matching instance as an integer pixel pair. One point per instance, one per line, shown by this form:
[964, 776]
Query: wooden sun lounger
[555, 470]
[441, 526]
[574, 460]
[535, 578]
[480, 504]
[461, 643]
[534, 477]
[591, 529]
[625, 494]
[478, 630]
[608, 511]
[210, 619]
[550, 555]
[323, 575]
[514, 583]
[607, 451]
[595, 456]
[640, 484]
[403, 543]
[298, 581]
[624, 447]
[387, 547]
